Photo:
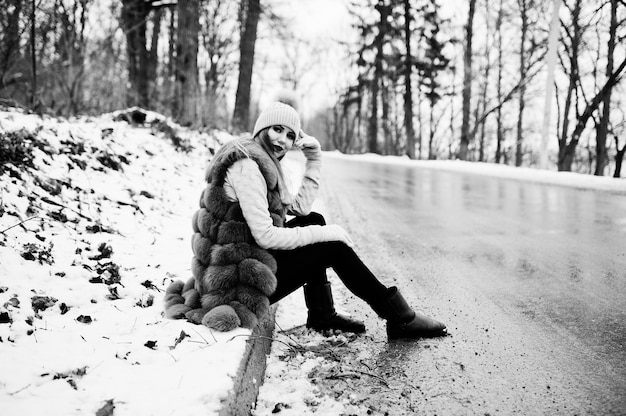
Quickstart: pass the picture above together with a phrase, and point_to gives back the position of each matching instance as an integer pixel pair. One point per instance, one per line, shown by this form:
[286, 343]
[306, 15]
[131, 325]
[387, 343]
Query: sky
[322, 24]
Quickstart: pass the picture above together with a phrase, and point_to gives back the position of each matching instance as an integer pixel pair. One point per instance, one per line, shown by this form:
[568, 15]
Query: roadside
[95, 222]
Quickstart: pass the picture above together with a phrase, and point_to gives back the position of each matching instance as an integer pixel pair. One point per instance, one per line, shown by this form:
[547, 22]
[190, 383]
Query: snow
[104, 342]
[551, 177]
[103, 245]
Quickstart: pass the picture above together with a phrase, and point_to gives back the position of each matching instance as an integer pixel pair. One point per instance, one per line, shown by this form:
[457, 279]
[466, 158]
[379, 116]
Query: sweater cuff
[313, 169]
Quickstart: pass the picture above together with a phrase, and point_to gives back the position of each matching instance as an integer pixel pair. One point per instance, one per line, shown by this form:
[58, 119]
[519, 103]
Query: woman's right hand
[338, 233]
[306, 143]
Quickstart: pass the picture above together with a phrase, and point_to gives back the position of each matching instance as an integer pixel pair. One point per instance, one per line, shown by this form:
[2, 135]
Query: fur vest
[232, 275]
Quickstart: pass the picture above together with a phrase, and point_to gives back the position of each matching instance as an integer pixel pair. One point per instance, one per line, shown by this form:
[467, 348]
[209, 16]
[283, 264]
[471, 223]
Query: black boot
[402, 321]
[322, 314]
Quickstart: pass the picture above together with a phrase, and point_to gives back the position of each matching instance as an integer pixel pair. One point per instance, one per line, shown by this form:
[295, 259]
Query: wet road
[529, 278]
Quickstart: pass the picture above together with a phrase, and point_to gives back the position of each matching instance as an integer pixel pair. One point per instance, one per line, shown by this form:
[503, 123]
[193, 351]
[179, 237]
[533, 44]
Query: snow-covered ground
[553, 177]
[105, 224]
[104, 219]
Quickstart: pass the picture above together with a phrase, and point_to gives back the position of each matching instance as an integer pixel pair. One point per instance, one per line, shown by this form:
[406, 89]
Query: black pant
[308, 265]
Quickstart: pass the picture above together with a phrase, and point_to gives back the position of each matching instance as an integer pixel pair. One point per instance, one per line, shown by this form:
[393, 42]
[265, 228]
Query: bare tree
[603, 125]
[499, 128]
[620, 152]
[408, 90]
[549, 90]
[33, 53]
[10, 53]
[217, 24]
[186, 97]
[251, 10]
[485, 82]
[567, 150]
[142, 61]
[524, 6]
[379, 41]
[583, 118]
[467, 81]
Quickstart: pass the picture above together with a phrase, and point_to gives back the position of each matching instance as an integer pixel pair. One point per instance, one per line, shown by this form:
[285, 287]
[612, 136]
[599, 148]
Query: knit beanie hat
[280, 114]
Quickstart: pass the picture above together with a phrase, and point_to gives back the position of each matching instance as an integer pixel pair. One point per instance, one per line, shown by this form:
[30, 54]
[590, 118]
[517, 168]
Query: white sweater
[246, 184]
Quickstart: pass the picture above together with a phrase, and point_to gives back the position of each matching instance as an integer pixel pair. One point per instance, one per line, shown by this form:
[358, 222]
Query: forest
[534, 83]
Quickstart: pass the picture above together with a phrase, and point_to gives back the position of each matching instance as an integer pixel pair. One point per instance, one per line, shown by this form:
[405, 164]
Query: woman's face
[281, 140]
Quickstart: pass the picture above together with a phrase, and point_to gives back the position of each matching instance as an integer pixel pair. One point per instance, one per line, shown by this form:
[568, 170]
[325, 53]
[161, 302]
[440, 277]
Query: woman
[247, 256]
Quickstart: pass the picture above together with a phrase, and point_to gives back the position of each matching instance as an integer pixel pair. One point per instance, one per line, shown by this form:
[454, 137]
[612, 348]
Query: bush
[16, 148]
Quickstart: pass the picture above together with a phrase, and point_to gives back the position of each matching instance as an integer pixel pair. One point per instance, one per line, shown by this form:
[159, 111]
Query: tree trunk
[385, 119]
[549, 91]
[603, 127]
[241, 114]
[187, 94]
[408, 90]
[467, 82]
[378, 76]
[134, 16]
[153, 56]
[431, 132]
[619, 158]
[33, 52]
[523, 4]
[566, 155]
[420, 124]
[453, 94]
[171, 50]
[499, 129]
[372, 129]
[10, 45]
[485, 86]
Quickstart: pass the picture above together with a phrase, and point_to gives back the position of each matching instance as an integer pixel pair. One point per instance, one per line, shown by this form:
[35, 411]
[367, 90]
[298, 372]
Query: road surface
[529, 278]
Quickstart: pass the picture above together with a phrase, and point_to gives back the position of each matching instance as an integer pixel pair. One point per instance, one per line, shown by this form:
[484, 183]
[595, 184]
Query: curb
[242, 398]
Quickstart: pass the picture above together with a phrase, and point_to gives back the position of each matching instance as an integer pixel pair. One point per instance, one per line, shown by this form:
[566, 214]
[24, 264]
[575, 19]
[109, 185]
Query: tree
[619, 155]
[549, 90]
[10, 52]
[567, 150]
[69, 61]
[186, 100]
[592, 106]
[142, 61]
[467, 81]
[408, 89]
[524, 6]
[499, 124]
[251, 10]
[603, 126]
[380, 74]
[34, 101]
[379, 41]
[218, 20]
[431, 64]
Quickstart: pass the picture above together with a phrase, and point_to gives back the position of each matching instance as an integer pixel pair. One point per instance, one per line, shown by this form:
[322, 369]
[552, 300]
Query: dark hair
[264, 140]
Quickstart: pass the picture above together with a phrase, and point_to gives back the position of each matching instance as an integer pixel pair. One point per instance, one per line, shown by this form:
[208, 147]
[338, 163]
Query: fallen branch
[58, 204]
[18, 224]
[288, 335]
[127, 204]
[355, 374]
[18, 391]
[376, 376]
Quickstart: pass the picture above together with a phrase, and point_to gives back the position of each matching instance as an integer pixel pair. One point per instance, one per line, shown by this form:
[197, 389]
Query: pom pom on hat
[278, 113]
